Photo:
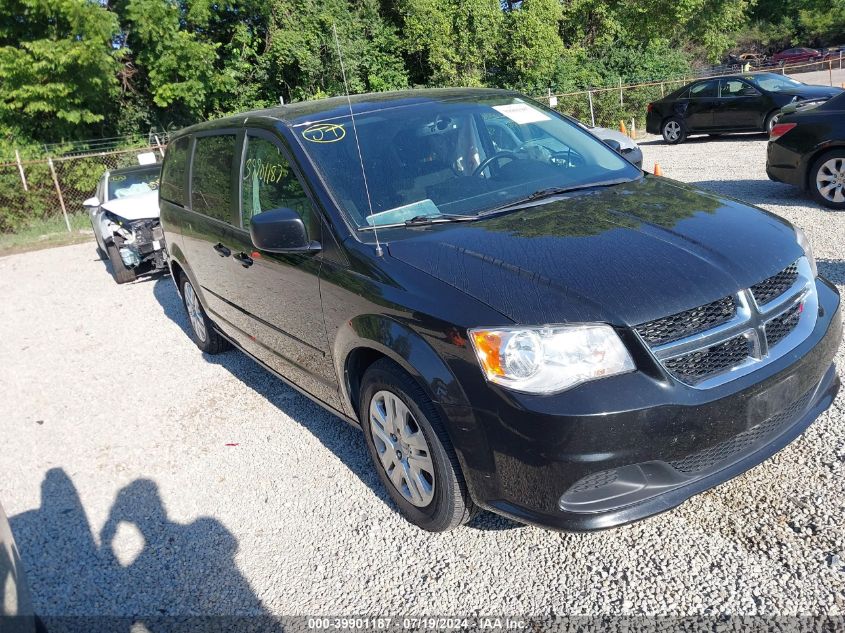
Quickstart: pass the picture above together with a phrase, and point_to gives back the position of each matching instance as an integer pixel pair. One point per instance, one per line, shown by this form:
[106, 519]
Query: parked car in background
[16, 614]
[797, 56]
[544, 331]
[737, 103]
[125, 218]
[754, 59]
[807, 149]
[622, 143]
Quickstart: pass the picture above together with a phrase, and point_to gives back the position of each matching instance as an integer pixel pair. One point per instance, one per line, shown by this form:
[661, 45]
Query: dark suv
[542, 331]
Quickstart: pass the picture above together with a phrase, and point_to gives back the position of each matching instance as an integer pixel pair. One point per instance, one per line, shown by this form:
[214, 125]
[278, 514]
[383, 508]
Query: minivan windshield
[455, 159]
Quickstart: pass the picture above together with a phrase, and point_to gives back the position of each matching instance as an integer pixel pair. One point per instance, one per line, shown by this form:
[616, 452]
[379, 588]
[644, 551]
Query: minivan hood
[623, 255]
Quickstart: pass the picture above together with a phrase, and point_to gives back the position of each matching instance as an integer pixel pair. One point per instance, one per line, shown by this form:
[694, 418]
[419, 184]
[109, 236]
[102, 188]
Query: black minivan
[542, 331]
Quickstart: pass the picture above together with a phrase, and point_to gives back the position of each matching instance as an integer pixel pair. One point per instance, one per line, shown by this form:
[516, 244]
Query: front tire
[772, 120]
[411, 451]
[202, 329]
[673, 131]
[120, 272]
[827, 180]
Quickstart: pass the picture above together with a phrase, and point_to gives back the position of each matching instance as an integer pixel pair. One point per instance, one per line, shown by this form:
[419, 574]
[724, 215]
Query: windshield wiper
[440, 217]
[422, 220]
[549, 192]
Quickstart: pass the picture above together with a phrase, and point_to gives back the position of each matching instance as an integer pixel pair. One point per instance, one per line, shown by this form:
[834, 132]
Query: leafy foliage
[73, 69]
[58, 68]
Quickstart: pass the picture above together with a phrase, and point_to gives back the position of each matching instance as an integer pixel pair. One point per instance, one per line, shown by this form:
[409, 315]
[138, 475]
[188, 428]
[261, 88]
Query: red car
[797, 56]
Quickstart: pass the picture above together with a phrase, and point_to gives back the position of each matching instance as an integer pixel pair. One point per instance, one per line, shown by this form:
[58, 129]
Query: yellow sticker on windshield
[324, 133]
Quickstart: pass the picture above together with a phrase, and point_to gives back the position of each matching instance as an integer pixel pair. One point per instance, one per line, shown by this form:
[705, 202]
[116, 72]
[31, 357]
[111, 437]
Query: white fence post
[20, 169]
[158, 144]
[59, 191]
[621, 104]
[592, 114]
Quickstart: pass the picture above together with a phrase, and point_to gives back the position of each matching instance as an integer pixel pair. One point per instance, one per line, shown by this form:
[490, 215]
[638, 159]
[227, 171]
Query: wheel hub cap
[192, 304]
[402, 448]
[672, 130]
[830, 180]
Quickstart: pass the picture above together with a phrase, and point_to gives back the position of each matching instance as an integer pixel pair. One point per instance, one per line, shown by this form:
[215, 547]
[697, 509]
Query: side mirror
[613, 144]
[91, 202]
[280, 231]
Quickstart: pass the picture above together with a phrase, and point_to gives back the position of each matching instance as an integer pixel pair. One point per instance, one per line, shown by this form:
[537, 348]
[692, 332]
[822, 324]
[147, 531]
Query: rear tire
[120, 272]
[673, 131]
[826, 179]
[202, 329]
[396, 416]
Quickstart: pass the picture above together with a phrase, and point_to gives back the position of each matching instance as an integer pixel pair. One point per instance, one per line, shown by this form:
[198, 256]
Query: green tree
[533, 43]
[58, 68]
[452, 42]
[302, 60]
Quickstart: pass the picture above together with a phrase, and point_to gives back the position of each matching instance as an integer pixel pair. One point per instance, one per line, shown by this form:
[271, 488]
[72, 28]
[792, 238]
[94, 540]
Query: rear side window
[705, 90]
[269, 182]
[211, 176]
[173, 172]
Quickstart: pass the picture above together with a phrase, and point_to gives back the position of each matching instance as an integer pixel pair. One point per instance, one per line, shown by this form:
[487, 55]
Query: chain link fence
[54, 188]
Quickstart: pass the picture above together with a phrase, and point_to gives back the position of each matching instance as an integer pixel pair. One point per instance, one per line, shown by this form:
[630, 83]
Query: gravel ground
[143, 478]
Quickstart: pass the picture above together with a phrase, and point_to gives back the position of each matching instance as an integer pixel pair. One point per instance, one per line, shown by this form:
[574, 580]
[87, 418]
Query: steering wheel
[492, 158]
[568, 158]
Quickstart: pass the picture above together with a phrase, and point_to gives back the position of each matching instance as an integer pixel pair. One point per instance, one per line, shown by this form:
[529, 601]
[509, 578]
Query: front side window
[211, 176]
[736, 88]
[704, 90]
[461, 156]
[269, 182]
[174, 171]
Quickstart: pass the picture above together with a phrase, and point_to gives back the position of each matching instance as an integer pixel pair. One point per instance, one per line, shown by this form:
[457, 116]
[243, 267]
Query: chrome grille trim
[750, 321]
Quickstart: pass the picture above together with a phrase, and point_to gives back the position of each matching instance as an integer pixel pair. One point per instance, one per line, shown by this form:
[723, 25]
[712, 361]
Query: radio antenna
[379, 252]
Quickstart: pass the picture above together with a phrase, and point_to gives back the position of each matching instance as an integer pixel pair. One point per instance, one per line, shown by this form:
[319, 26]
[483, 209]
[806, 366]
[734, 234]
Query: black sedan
[807, 149]
[741, 103]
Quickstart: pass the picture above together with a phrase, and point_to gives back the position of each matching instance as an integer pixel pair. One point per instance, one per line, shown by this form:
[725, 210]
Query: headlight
[804, 243]
[550, 358]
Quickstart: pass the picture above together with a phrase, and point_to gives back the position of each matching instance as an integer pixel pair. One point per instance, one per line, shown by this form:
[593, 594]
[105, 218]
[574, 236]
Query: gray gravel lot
[127, 499]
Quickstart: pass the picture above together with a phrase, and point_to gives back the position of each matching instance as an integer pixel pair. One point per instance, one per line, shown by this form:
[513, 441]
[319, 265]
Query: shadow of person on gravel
[335, 434]
[146, 568]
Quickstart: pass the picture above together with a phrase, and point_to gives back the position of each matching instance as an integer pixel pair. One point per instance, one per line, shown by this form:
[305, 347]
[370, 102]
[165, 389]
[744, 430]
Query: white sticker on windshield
[521, 113]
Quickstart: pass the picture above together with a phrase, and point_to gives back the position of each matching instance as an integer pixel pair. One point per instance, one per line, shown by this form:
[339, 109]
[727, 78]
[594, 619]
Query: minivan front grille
[671, 328]
[779, 328]
[775, 285]
[696, 366]
[709, 345]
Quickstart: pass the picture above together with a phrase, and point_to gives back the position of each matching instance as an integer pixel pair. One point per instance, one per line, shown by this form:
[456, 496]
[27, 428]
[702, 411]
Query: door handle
[222, 250]
[244, 259]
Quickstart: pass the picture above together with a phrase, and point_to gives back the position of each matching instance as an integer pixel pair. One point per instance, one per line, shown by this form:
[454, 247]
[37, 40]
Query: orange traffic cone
[622, 128]
[657, 170]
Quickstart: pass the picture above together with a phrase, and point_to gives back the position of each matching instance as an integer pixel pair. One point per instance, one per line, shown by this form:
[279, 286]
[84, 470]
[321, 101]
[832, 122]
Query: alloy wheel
[402, 448]
[830, 180]
[195, 312]
[672, 130]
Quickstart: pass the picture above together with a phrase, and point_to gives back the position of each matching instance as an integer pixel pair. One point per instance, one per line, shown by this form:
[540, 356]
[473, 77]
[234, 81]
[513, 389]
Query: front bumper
[625, 448]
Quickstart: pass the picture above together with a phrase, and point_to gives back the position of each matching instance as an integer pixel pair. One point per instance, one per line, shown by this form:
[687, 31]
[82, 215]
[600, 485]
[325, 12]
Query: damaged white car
[125, 218]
